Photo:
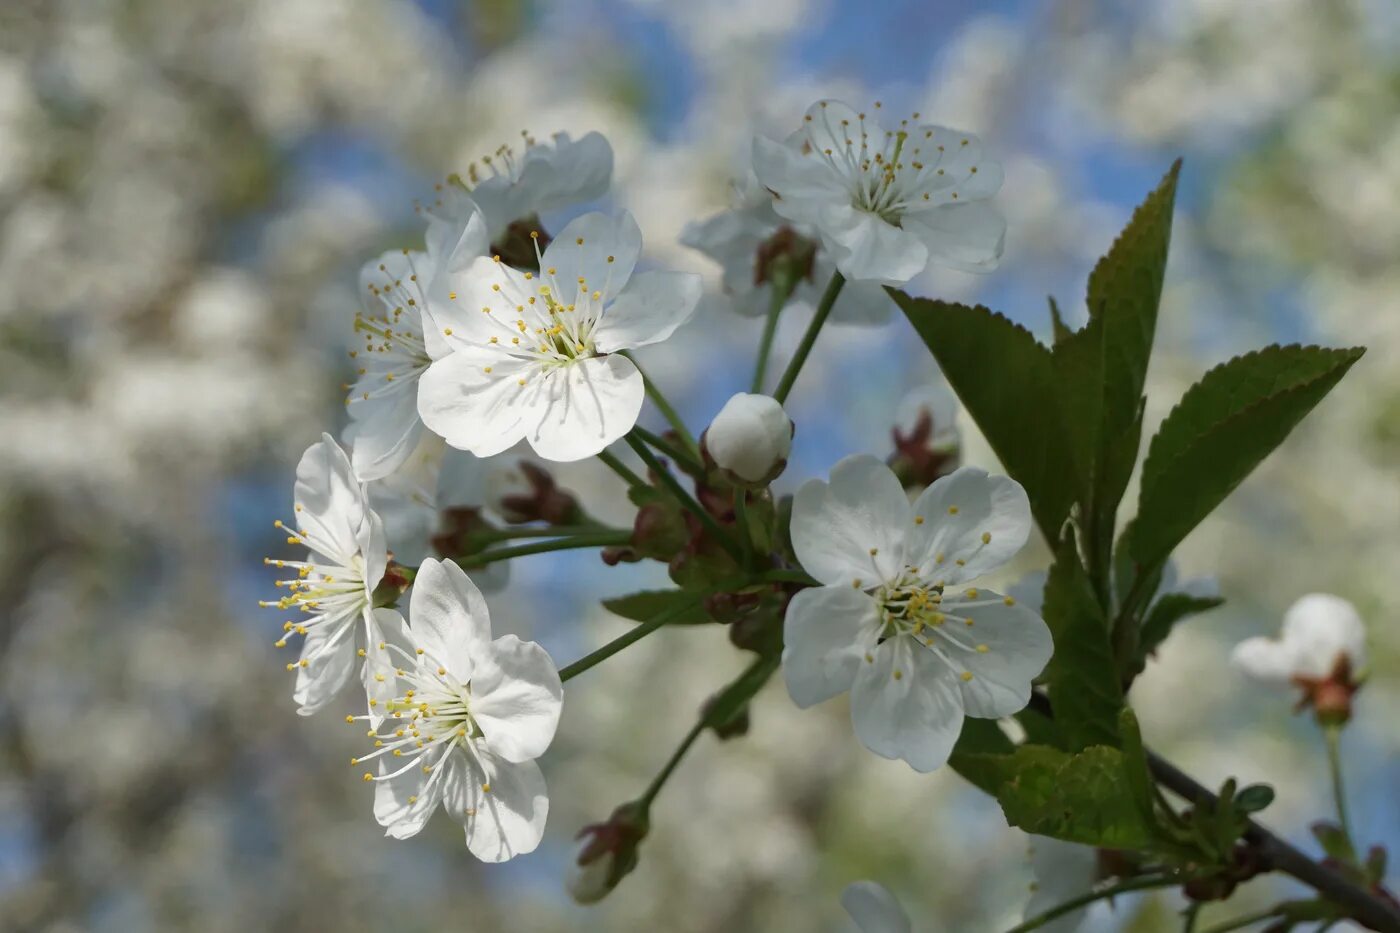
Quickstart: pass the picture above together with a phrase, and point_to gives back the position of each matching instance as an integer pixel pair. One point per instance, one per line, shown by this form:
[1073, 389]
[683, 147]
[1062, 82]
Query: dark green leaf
[1254, 798]
[1040, 728]
[1333, 840]
[645, 605]
[1220, 431]
[1135, 771]
[1169, 609]
[1006, 379]
[1080, 798]
[1084, 684]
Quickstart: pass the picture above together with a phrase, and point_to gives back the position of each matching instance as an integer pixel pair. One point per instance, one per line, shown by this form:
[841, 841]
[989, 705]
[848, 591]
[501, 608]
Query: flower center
[939, 622]
[320, 591]
[888, 171]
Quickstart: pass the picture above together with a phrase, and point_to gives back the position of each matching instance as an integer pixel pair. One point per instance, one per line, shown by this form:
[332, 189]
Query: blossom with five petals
[887, 203]
[333, 588]
[894, 622]
[535, 355]
[472, 715]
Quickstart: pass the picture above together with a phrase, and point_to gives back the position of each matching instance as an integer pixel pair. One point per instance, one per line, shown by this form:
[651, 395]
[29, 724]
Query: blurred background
[187, 188]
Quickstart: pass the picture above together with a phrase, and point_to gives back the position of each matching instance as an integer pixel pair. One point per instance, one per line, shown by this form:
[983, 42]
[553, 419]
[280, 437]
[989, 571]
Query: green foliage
[980, 738]
[1007, 381]
[1219, 432]
[1084, 797]
[1084, 687]
[1169, 609]
[645, 605]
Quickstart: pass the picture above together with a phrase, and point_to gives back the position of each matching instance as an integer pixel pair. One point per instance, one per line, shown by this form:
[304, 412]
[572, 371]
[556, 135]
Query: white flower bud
[750, 438]
[589, 882]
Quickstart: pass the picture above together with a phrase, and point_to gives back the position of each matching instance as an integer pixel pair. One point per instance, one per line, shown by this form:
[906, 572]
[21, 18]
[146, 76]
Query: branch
[1360, 904]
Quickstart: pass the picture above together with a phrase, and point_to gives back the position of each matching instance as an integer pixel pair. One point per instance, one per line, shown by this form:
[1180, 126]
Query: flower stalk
[809, 339]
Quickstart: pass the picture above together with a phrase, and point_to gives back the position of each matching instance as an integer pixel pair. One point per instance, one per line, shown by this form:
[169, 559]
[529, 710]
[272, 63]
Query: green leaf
[1219, 432]
[980, 739]
[1102, 368]
[1079, 798]
[1169, 609]
[1006, 379]
[1085, 690]
[1135, 770]
[1333, 840]
[1254, 798]
[1058, 328]
[645, 605]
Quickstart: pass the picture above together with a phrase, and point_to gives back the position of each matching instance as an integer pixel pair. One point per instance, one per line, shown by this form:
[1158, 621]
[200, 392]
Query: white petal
[329, 650]
[457, 232]
[568, 172]
[803, 183]
[516, 698]
[915, 716]
[832, 125]
[867, 248]
[484, 413]
[1320, 628]
[874, 908]
[373, 546]
[583, 407]
[971, 516]
[1017, 643]
[509, 819]
[648, 310]
[331, 500]
[602, 237]
[481, 302]
[825, 635]
[969, 237]
[1265, 659]
[1029, 590]
[383, 627]
[404, 803]
[384, 431]
[852, 528]
[450, 620]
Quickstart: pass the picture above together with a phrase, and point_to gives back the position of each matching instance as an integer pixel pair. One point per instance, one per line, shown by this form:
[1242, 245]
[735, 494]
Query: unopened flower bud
[543, 500]
[750, 439]
[607, 852]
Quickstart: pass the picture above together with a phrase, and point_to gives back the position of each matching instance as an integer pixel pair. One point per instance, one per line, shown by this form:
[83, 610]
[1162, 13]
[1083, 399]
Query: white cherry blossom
[332, 591]
[400, 344]
[887, 202]
[894, 622]
[1319, 630]
[740, 238]
[874, 908]
[520, 185]
[535, 355]
[472, 716]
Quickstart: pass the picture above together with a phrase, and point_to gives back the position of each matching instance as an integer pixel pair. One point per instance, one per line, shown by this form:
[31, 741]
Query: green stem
[783, 284]
[717, 713]
[594, 539]
[1333, 735]
[1241, 922]
[662, 405]
[686, 500]
[741, 522]
[1190, 915]
[622, 470]
[1123, 887]
[683, 459]
[548, 531]
[810, 338]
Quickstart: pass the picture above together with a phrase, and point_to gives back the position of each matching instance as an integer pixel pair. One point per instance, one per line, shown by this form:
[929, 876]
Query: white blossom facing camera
[750, 438]
[515, 186]
[874, 908]
[887, 202]
[749, 239]
[894, 622]
[400, 344]
[333, 588]
[534, 355]
[473, 715]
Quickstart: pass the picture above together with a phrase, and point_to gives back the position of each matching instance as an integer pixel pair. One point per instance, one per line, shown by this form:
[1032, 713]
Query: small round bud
[607, 852]
[750, 438]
